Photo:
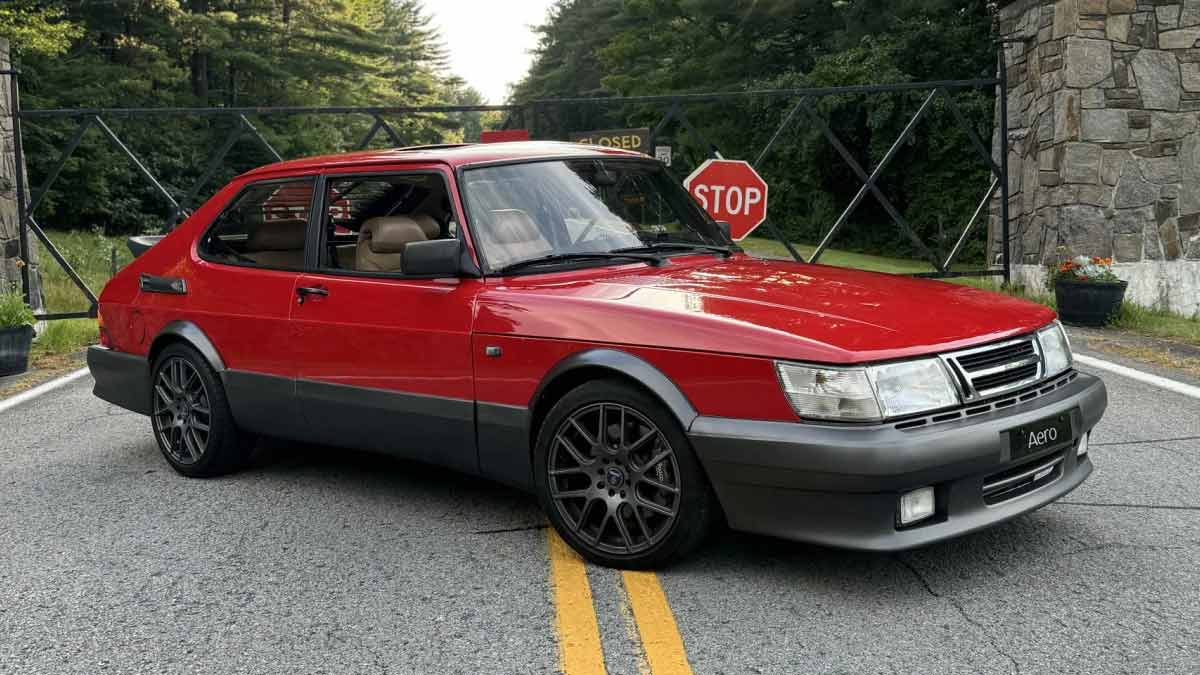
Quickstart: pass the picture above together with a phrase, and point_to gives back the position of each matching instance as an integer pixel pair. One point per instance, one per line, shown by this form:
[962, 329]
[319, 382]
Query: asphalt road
[320, 560]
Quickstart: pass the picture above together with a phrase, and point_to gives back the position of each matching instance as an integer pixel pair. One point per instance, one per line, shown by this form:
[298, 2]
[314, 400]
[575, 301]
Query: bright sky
[489, 41]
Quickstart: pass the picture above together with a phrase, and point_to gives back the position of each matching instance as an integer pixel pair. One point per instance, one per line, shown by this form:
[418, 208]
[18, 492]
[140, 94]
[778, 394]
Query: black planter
[1088, 303]
[14, 349]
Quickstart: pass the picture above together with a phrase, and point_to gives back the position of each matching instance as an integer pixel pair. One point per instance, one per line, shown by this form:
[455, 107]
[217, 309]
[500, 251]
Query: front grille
[999, 368]
[1022, 479]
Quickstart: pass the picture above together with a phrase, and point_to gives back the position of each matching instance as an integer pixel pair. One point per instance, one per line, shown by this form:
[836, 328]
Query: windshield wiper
[568, 257]
[677, 245]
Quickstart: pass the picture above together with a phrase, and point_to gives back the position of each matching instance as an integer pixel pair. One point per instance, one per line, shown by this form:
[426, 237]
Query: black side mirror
[724, 228]
[438, 257]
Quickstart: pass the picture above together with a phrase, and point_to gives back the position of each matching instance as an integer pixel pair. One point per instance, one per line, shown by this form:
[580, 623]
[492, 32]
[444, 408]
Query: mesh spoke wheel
[614, 478]
[182, 411]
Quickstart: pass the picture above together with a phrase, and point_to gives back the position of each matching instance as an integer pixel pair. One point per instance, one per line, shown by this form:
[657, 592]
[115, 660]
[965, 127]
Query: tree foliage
[606, 48]
[213, 53]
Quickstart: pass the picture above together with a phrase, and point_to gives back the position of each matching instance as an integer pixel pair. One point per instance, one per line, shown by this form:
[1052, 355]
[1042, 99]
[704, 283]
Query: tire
[185, 396]
[612, 504]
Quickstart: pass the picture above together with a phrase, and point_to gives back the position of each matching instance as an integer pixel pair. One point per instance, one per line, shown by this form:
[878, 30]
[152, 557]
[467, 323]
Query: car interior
[265, 226]
[370, 219]
[368, 222]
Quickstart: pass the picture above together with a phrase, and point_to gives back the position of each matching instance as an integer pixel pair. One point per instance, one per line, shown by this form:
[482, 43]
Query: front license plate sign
[1050, 432]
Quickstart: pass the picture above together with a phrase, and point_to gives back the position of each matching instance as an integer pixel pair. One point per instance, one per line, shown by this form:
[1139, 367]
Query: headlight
[912, 386]
[1056, 349]
[867, 394]
[829, 393]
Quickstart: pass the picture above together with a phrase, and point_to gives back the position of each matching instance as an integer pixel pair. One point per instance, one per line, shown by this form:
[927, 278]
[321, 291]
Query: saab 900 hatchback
[566, 319]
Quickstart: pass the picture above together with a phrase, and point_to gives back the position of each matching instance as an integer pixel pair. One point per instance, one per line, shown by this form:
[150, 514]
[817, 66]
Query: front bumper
[840, 485]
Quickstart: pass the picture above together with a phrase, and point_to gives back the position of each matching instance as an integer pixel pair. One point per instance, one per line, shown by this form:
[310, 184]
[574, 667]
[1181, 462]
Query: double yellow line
[578, 631]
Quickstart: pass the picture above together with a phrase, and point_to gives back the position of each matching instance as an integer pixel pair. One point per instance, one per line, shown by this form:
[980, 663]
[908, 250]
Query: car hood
[744, 305]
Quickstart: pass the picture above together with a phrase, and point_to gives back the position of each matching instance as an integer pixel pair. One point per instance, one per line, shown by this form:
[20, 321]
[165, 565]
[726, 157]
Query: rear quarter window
[265, 226]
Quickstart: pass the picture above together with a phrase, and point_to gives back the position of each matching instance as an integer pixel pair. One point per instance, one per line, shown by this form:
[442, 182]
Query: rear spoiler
[139, 245]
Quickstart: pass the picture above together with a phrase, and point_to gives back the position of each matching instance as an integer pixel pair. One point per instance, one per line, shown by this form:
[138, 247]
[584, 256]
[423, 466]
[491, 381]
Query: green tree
[605, 48]
[220, 53]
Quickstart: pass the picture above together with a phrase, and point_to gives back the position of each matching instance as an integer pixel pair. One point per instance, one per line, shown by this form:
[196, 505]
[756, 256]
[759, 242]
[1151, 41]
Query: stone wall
[1104, 141]
[10, 251]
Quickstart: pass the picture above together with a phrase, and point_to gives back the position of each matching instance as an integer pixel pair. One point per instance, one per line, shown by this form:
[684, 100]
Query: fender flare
[630, 366]
[193, 335]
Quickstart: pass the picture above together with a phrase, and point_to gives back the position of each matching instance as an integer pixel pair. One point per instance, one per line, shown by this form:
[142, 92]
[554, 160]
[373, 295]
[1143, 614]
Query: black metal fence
[540, 118]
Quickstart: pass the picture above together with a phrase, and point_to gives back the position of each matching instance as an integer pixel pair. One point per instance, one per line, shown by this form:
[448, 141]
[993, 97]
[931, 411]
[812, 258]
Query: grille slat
[1000, 368]
[1022, 479]
[974, 362]
[988, 382]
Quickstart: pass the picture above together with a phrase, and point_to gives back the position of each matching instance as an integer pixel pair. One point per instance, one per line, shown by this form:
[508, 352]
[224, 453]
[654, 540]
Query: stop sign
[732, 191]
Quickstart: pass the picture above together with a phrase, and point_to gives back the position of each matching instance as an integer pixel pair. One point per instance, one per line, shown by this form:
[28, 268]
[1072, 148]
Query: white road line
[14, 401]
[1155, 380]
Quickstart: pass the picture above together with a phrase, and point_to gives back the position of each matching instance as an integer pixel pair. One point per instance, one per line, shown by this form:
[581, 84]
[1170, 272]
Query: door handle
[303, 292]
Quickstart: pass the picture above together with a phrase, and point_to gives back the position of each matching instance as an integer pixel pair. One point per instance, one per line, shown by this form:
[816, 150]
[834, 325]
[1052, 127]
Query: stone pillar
[1104, 141]
[10, 250]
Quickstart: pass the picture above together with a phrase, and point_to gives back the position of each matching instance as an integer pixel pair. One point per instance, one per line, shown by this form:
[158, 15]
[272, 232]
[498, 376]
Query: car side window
[264, 227]
[369, 220]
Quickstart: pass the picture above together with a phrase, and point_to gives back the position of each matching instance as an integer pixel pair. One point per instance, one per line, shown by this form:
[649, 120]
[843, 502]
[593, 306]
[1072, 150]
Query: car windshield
[574, 207]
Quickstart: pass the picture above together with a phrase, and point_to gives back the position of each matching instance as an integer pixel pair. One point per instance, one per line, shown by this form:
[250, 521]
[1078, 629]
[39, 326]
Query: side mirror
[725, 229]
[439, 257]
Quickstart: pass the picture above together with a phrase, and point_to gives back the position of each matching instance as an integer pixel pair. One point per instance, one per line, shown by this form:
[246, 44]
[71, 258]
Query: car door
[240, 295]
[384, 359]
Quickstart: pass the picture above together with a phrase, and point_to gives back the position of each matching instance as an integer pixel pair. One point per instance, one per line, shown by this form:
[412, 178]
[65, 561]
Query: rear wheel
[190, 415]
[618, 478]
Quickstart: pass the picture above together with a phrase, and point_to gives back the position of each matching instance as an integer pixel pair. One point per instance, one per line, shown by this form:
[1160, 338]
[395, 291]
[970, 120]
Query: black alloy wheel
[190, 415]
[618, 478]
[182, 411]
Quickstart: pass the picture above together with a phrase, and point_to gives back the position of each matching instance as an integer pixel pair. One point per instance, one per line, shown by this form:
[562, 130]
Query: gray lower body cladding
[834, 485]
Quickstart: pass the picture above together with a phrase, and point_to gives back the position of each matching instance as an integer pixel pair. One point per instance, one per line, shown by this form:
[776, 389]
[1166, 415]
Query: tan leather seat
[277, 243]
[381, 242]
[513, 236]
[429, 225]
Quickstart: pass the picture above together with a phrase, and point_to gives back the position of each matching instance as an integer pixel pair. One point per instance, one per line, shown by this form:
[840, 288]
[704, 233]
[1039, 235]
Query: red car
[565, 319]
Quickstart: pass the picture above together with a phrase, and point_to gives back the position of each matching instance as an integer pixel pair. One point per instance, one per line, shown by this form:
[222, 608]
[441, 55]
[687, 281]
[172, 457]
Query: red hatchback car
[565, 319]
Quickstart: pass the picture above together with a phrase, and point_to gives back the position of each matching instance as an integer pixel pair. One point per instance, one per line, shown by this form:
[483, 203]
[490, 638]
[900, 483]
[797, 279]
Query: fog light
[1082, 448]
[916, 505]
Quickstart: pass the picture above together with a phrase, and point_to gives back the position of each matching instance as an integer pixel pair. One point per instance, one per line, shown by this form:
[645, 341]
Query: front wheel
[618, 478]
[190, 415]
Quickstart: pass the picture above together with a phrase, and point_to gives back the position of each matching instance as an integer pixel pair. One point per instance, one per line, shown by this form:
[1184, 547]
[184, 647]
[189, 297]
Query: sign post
[732, 191]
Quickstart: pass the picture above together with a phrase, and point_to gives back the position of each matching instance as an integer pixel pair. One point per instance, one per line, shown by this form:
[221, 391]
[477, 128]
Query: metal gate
[539, 116]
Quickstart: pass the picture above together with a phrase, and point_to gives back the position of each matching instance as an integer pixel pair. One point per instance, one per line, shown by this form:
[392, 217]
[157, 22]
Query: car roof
[455, 155]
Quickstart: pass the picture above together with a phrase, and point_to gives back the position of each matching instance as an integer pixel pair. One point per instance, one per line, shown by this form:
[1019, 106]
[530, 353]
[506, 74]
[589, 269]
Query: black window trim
[312, 178]
[317, 228]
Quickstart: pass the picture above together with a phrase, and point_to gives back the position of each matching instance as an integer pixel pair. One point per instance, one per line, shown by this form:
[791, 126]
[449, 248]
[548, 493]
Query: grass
[1158, 323]
[863, 261]
[91, 255]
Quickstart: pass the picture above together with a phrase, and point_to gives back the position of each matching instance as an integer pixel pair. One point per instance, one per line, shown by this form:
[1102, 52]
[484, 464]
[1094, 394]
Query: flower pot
[1088, 303]
[14, 349]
